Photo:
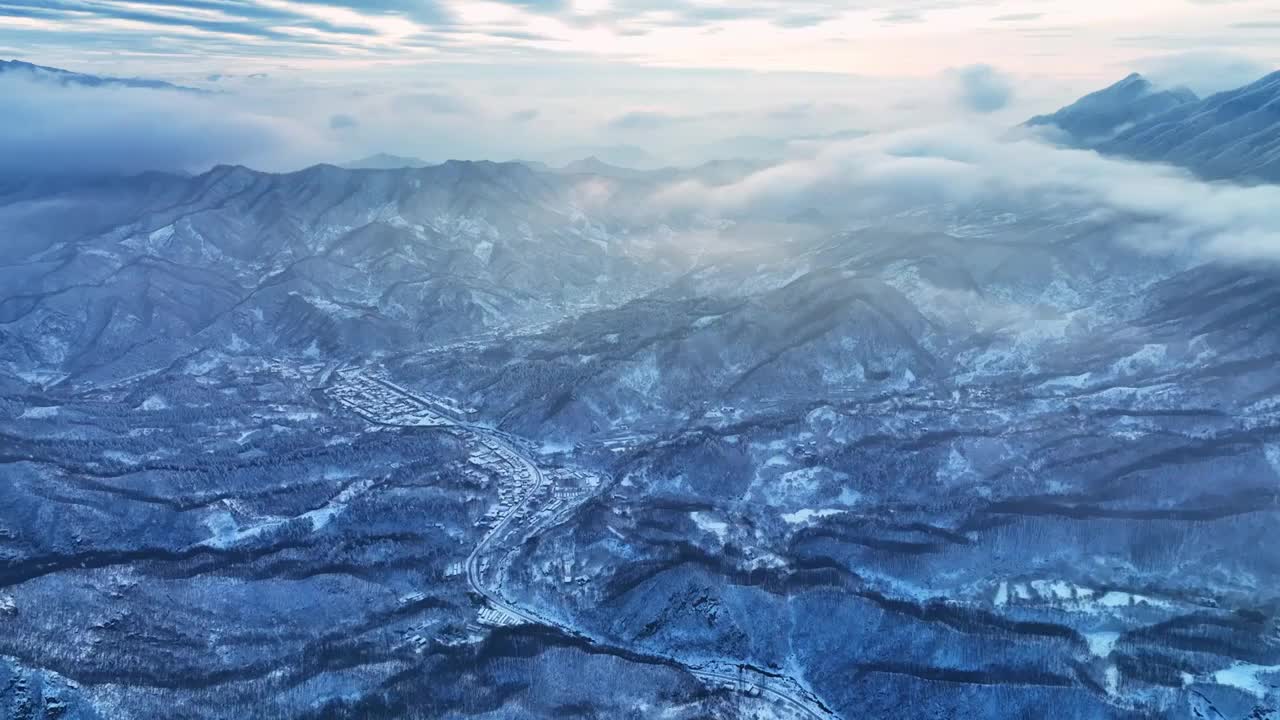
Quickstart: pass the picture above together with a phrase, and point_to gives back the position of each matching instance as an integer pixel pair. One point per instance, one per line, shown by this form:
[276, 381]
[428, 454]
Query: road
[783, 690]
[473, 560]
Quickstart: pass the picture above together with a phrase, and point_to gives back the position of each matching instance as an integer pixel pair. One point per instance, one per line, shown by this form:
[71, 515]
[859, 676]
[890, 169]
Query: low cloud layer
[52, 129]
[1158, 209]
[282, 124]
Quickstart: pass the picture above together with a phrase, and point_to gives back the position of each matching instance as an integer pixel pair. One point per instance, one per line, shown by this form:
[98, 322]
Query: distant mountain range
[11, 68]
[386, 161]
[444, 251]
[1230, 135]
[717, 172]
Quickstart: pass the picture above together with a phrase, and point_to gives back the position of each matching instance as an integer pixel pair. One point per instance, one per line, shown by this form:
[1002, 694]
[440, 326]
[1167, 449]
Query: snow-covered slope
[1099, 116]
[1233, 135]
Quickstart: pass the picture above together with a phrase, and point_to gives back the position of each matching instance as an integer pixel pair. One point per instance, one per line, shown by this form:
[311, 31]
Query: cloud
[800, 20]
[1018, 17]
[1257, 25]
[643, 120]
[434, 103]
[794, 112]
[75, 130]
[342, 121]
[830, 36]
[1153, 208]
[981, 88]
[1204, 72]
[901, 17]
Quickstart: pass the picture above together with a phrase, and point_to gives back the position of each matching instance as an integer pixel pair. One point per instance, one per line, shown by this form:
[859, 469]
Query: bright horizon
[637, 82]
[1089, 39]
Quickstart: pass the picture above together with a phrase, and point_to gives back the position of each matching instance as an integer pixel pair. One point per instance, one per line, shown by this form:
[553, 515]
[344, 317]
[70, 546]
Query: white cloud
[982, 88]
[1085, 38]
[1163, 209]
[1204, 72]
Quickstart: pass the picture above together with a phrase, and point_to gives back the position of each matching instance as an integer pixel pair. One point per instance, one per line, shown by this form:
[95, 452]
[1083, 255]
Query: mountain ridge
[1231, 135]
[69, 77]
[1104, 113]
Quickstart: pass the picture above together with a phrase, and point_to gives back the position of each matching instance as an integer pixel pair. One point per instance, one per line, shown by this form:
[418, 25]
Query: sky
[639, 82]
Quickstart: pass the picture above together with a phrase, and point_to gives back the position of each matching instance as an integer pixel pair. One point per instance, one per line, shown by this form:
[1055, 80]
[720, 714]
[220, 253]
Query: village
[385, 403]
[527, 497]
[528, 500]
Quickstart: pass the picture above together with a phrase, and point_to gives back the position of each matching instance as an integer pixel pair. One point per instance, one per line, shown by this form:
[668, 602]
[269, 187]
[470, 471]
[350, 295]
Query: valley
[527, 502]
[493, 440]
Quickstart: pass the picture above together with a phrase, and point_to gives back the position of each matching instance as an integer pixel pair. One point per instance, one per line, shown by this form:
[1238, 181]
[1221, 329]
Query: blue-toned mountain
[1232, 135]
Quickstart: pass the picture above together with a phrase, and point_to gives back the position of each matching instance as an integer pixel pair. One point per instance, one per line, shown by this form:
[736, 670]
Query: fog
[647, 118]
[53, 129]
[1166, 209]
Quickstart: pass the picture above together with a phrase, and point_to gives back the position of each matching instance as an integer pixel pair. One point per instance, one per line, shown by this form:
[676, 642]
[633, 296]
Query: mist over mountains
[943, 422]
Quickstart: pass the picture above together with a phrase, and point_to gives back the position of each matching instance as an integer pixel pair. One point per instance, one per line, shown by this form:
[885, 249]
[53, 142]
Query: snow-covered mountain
[969, 460]
[1099, 116]
[386, 161]
[112, 272]
[1231, 135]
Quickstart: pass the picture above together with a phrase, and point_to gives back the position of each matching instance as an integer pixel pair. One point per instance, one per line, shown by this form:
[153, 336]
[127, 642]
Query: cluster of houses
[493, 617]
[382, 402]
[522, 496]
[515, 479]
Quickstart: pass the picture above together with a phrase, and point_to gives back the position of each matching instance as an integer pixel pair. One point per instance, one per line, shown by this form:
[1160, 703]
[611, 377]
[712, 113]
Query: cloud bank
[1158, 209]
[52, 129]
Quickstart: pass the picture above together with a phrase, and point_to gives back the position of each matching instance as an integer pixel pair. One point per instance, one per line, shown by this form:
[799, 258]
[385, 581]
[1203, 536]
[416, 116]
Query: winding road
[473, 560]
[781, 689]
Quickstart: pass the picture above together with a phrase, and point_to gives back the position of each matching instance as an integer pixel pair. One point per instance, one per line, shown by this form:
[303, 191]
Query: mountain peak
[1134, 119]
[1133, 85]
[386, 161]
[1100, 115]
[589, 164]
[1132, 79]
